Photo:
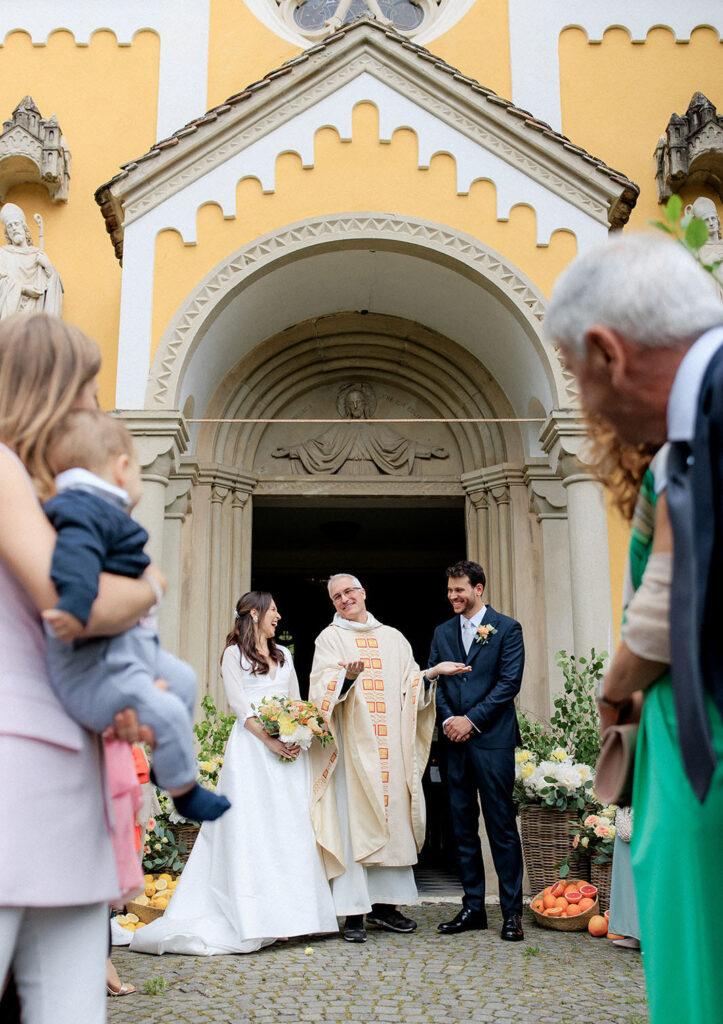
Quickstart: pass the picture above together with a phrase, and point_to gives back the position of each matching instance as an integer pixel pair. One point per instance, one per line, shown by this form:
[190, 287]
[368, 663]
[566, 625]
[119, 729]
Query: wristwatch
[602, 700]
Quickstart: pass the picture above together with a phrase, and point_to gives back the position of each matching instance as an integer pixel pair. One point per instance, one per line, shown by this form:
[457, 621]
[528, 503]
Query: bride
[255, 874]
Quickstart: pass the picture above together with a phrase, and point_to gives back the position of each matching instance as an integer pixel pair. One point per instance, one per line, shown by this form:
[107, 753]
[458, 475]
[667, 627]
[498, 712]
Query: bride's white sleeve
[233, 680]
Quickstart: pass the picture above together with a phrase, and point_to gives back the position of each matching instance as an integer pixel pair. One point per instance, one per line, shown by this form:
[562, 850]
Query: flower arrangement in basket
[162, 851]
[558, 782]
[595, 835]
[294, 722]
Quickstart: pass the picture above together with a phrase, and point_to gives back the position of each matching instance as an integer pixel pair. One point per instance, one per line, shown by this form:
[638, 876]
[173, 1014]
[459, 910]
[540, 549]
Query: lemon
[160, 884]
[168, 878]
[142, 900]
[132, 918]
[148, 879]
[121, 918]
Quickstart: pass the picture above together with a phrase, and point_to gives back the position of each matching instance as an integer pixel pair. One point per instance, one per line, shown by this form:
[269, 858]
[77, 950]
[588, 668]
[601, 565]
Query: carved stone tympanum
[691, 151]
[33, 150]
[359, 449]
[28, 281]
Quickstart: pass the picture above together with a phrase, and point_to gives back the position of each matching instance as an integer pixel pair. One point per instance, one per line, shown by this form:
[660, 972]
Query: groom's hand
[458, 729]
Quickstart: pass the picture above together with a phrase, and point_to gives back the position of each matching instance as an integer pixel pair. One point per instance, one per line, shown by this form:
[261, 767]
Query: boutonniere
[483, 634]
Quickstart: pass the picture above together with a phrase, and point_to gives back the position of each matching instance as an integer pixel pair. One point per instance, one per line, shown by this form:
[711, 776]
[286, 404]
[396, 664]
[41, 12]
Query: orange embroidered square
[360, 641]
[325, 705]
[378, 684]
[368, 684]
[372, 642]
[385, 777]
[381, 707]
[384, 753]
[376, 662]
[365, 662]
[372, 706]
[381, 730]
[325, 773]
[333, 757]
[386, 800]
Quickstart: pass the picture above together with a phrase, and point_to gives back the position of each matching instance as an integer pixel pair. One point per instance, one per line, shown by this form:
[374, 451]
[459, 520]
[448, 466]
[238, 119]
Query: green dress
[677, 854]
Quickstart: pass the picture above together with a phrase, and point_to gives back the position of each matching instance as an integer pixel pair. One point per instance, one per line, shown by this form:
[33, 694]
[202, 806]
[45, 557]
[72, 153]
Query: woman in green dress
[677, 842]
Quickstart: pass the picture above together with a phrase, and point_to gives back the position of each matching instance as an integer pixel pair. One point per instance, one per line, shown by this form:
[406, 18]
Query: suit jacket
[486, 695]
[707, 483]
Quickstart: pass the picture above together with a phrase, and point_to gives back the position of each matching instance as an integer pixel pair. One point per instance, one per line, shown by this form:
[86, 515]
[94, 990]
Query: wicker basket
[546, 841]
[566, 924]
[187, 834]
[143, 912]
[601, 876]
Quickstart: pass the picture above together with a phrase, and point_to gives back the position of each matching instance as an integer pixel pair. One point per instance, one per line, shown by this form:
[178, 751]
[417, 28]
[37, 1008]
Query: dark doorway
[399, 550]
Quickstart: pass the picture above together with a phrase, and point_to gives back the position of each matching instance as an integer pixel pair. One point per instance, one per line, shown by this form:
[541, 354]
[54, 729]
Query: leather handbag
[615, 764]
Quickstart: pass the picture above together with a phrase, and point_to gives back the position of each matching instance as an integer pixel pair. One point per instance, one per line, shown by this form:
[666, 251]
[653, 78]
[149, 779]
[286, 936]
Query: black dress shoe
[385, 916]
[466, 921]
[354, 930]
[512, 928]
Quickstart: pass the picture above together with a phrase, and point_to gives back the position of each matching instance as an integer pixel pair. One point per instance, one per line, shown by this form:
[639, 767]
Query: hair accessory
[236, 614]
[255, 618]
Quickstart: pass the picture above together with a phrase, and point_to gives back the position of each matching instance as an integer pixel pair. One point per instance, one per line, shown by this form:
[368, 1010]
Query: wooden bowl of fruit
[566, 906]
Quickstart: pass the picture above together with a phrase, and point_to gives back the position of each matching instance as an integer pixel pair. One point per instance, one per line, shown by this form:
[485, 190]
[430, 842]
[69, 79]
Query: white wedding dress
[256, 873]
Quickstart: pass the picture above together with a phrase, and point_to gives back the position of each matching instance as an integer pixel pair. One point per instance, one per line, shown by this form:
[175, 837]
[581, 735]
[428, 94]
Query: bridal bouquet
[294, 722]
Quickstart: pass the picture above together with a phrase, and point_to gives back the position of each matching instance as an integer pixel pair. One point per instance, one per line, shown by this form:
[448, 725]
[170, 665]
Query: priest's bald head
[348, 596]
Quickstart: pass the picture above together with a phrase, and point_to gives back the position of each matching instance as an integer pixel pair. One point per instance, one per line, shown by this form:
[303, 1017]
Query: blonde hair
[87, 438]
[44, 365]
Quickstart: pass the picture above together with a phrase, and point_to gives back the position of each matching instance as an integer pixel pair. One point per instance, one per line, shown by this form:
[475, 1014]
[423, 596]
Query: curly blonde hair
[618, 466]
[44, 365]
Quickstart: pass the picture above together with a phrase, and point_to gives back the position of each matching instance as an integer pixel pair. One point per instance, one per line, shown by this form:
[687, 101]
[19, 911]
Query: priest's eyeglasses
[344, 594]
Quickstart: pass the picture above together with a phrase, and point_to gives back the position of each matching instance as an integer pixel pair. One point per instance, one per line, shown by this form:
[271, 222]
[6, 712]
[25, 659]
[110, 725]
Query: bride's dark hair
[242, 635]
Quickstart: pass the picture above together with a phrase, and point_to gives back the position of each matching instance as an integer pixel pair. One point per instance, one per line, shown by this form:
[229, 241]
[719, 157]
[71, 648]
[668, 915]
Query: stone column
[178, 500]
[548, 501]
[563, 438]
[161, 437]
[477, 518]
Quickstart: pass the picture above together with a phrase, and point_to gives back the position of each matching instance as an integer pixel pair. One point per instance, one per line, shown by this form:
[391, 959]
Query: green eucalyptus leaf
[673, 209]
[696, 234]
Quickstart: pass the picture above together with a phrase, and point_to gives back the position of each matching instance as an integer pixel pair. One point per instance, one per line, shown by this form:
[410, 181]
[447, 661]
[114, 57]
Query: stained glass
[312, 14]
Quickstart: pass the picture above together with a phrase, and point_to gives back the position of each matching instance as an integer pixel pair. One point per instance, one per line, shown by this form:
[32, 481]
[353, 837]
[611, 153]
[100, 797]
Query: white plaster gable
[535, 27]
[182, 26]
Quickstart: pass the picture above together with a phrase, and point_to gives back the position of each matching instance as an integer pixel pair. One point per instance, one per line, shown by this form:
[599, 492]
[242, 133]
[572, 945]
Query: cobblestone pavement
[424, 978]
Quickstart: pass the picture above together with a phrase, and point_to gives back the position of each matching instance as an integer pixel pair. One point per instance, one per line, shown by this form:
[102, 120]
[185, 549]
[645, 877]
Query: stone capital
[161, 437]
[491, 480]
[216, 476]
[564, 440]
[548, 498]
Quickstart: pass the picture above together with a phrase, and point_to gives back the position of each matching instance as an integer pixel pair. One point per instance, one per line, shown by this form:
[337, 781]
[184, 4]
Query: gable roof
[512, 133]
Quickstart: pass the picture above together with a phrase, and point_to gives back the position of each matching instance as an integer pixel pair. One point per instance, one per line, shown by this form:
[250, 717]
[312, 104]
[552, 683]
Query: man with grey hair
[640, 325]
[367, 801]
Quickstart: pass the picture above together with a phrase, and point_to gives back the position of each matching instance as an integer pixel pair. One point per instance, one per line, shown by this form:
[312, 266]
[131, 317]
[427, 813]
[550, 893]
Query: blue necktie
[694, 731]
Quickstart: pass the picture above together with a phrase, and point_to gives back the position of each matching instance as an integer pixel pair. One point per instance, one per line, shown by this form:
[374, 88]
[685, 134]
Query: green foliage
[155, 986]
[688, 230]
[574, 722]
[531, 951]
[162, 851]
[213, 731]
[535, 736]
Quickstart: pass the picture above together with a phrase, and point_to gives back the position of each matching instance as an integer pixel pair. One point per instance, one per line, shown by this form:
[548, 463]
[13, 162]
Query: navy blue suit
[484, 763]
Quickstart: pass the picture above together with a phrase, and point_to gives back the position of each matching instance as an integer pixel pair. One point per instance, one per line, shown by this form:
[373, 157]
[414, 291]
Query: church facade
[315, 241]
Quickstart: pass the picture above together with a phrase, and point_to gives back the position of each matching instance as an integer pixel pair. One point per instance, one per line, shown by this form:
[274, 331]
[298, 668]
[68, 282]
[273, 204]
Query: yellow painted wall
[479, 45]
[105, 98]
[363, 174]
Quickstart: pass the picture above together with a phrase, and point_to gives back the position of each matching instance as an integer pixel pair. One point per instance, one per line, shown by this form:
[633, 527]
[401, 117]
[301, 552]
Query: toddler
[98, 482]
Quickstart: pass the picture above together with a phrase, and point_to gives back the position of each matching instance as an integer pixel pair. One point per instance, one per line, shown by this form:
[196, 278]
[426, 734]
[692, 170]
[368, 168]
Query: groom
[476, 715]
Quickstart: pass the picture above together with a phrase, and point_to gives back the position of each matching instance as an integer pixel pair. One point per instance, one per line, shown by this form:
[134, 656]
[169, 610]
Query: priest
[367, 801]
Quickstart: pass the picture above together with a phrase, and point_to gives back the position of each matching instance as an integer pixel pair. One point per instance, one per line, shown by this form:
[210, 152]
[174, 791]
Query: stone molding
[563, 438]
[548, 497]
[177, 344]
[33, 151]
[161, 437]
[691, 151]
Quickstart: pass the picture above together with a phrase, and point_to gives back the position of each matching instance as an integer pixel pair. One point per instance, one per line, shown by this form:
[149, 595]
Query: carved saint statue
[712, 251]
[360, 449]
[337, 19]
[28, 281]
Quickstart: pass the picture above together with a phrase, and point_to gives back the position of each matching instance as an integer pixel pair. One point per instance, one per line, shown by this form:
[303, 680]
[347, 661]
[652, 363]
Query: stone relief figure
[28, 281]
[359, 450]
[712, 251]
[337, 19]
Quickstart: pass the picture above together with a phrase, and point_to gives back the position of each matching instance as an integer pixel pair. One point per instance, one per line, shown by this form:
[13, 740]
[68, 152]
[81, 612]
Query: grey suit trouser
[95, 679]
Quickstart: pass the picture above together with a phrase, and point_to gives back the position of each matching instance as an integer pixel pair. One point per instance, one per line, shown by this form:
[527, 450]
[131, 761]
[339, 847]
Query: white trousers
[57, 956]
[359, 887]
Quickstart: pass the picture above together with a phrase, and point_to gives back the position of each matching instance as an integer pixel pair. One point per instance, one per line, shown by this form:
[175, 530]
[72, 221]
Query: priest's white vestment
[368, 806]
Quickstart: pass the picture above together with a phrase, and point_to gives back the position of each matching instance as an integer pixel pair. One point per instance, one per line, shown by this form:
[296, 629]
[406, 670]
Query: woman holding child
[255, 875]
[57, 873]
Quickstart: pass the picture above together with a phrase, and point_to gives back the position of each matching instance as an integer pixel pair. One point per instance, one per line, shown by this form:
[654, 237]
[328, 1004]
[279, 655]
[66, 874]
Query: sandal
[124, 990]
